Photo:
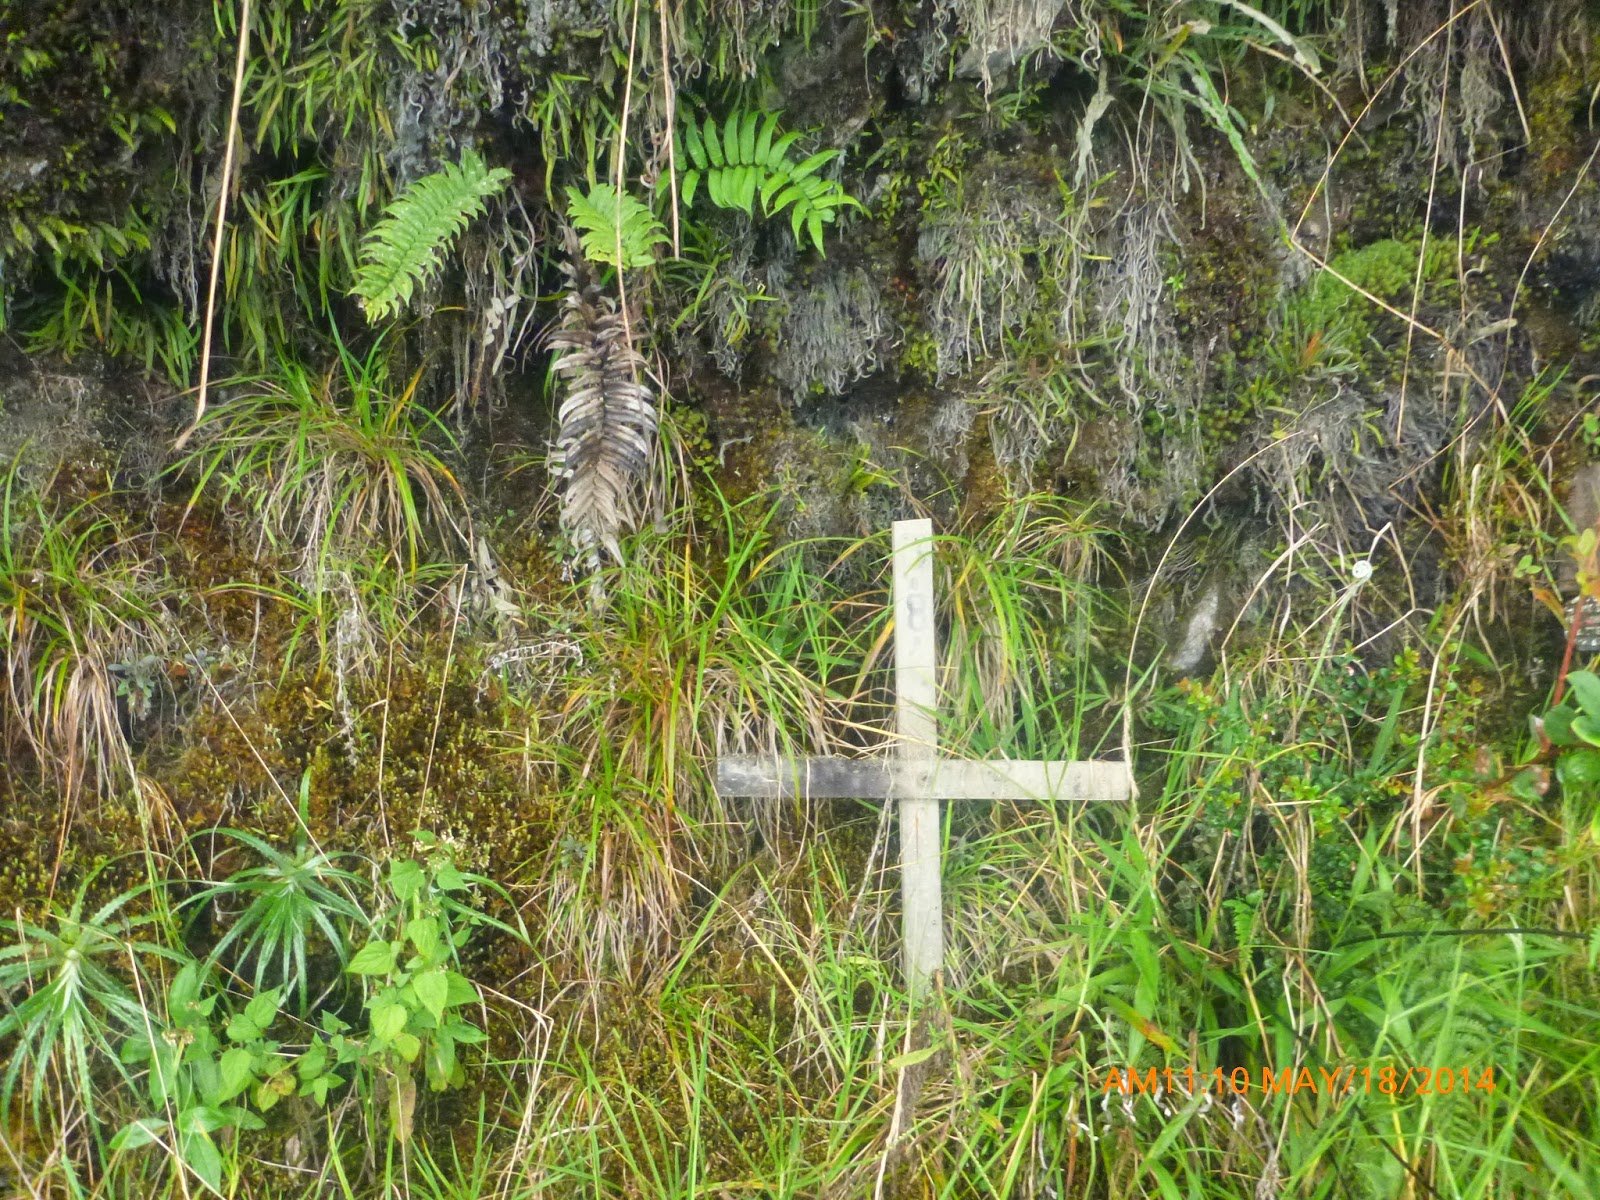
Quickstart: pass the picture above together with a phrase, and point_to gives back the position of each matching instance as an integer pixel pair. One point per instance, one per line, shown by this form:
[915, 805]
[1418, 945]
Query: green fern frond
[745, 158]
[404, 248]
[616, 229]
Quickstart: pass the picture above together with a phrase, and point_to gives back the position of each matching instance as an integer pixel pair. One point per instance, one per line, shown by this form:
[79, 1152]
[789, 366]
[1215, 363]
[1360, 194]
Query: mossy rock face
[92, 94]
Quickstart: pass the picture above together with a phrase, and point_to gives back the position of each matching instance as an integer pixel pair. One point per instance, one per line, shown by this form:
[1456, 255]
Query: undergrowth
[359, 843]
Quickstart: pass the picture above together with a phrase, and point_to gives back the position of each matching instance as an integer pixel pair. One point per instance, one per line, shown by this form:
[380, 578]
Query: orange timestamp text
[1386, 1079]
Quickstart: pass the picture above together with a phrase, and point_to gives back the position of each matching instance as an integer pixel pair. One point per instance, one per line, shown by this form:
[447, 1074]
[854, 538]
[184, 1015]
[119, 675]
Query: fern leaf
[608, 417]
[764, 142]
[403, 250]
[744, 158]
[616, 229]
[780, 150]
[770, 186]
[694, 146]
[713, 142]
[811, 164]
[747, 137]
[790, 195]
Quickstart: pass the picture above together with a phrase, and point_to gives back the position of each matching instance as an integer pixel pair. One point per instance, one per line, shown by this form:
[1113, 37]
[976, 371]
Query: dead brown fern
[608, 418]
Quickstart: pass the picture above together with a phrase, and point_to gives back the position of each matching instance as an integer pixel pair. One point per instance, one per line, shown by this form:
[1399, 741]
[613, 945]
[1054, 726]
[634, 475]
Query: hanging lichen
[834, 333]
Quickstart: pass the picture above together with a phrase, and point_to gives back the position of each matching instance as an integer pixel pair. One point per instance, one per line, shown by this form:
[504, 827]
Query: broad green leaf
[406, 877]
[274, 1089]
[200, 1155]
[1585, 686]
[433, 991]
[388, 1019]
[243, 1118]
[163, 1076]
[375, 958]
[139, 1133]
[1579, 768]
[465, 1034]
[441, 1064]
[263, 1007]
[408, 1045]
[135, 1050]
[461, 990]
[423, 933]
[237, 1069]
[319, 1087]
[184, 990]
[202, 1118]
[314, 1061]
[1558, 726]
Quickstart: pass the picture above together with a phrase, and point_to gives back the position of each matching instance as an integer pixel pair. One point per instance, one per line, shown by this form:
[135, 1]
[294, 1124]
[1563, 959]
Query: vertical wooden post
[916, 702]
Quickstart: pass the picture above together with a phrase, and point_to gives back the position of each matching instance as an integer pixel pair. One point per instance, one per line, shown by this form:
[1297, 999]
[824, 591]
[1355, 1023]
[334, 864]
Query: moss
[1559, 108]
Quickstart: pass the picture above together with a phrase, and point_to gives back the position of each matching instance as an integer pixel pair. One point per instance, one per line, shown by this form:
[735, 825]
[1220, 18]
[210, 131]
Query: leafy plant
[744, 158]
[108, 311]
[616, 229]
[209, 1069]
[193, 1077]
[66, 1000]
[286, 900]
[403, 249]
[415, 991]
[1573, 728]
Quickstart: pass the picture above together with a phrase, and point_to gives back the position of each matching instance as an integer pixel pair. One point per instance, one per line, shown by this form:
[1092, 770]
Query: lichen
[834, 332]
[995, 245]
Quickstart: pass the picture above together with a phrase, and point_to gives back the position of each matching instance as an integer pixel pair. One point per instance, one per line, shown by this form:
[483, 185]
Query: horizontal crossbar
[930, 779]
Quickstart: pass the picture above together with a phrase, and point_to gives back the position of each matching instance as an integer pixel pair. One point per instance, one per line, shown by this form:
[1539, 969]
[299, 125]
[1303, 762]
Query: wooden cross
[917, 776]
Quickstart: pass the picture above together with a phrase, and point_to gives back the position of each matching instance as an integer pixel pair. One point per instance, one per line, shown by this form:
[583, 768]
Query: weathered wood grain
[938, 779]
[916, 689]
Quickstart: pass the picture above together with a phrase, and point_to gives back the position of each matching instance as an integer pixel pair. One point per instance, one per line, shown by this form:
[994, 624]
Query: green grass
[78, 597]
[709, 1002]
[336, 463]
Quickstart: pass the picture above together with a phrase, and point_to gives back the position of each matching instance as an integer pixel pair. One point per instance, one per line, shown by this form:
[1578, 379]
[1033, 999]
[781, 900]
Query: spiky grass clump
[1025, 599]
[76, 600]
[334, 465]
[699, 653]
[68, 1001]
